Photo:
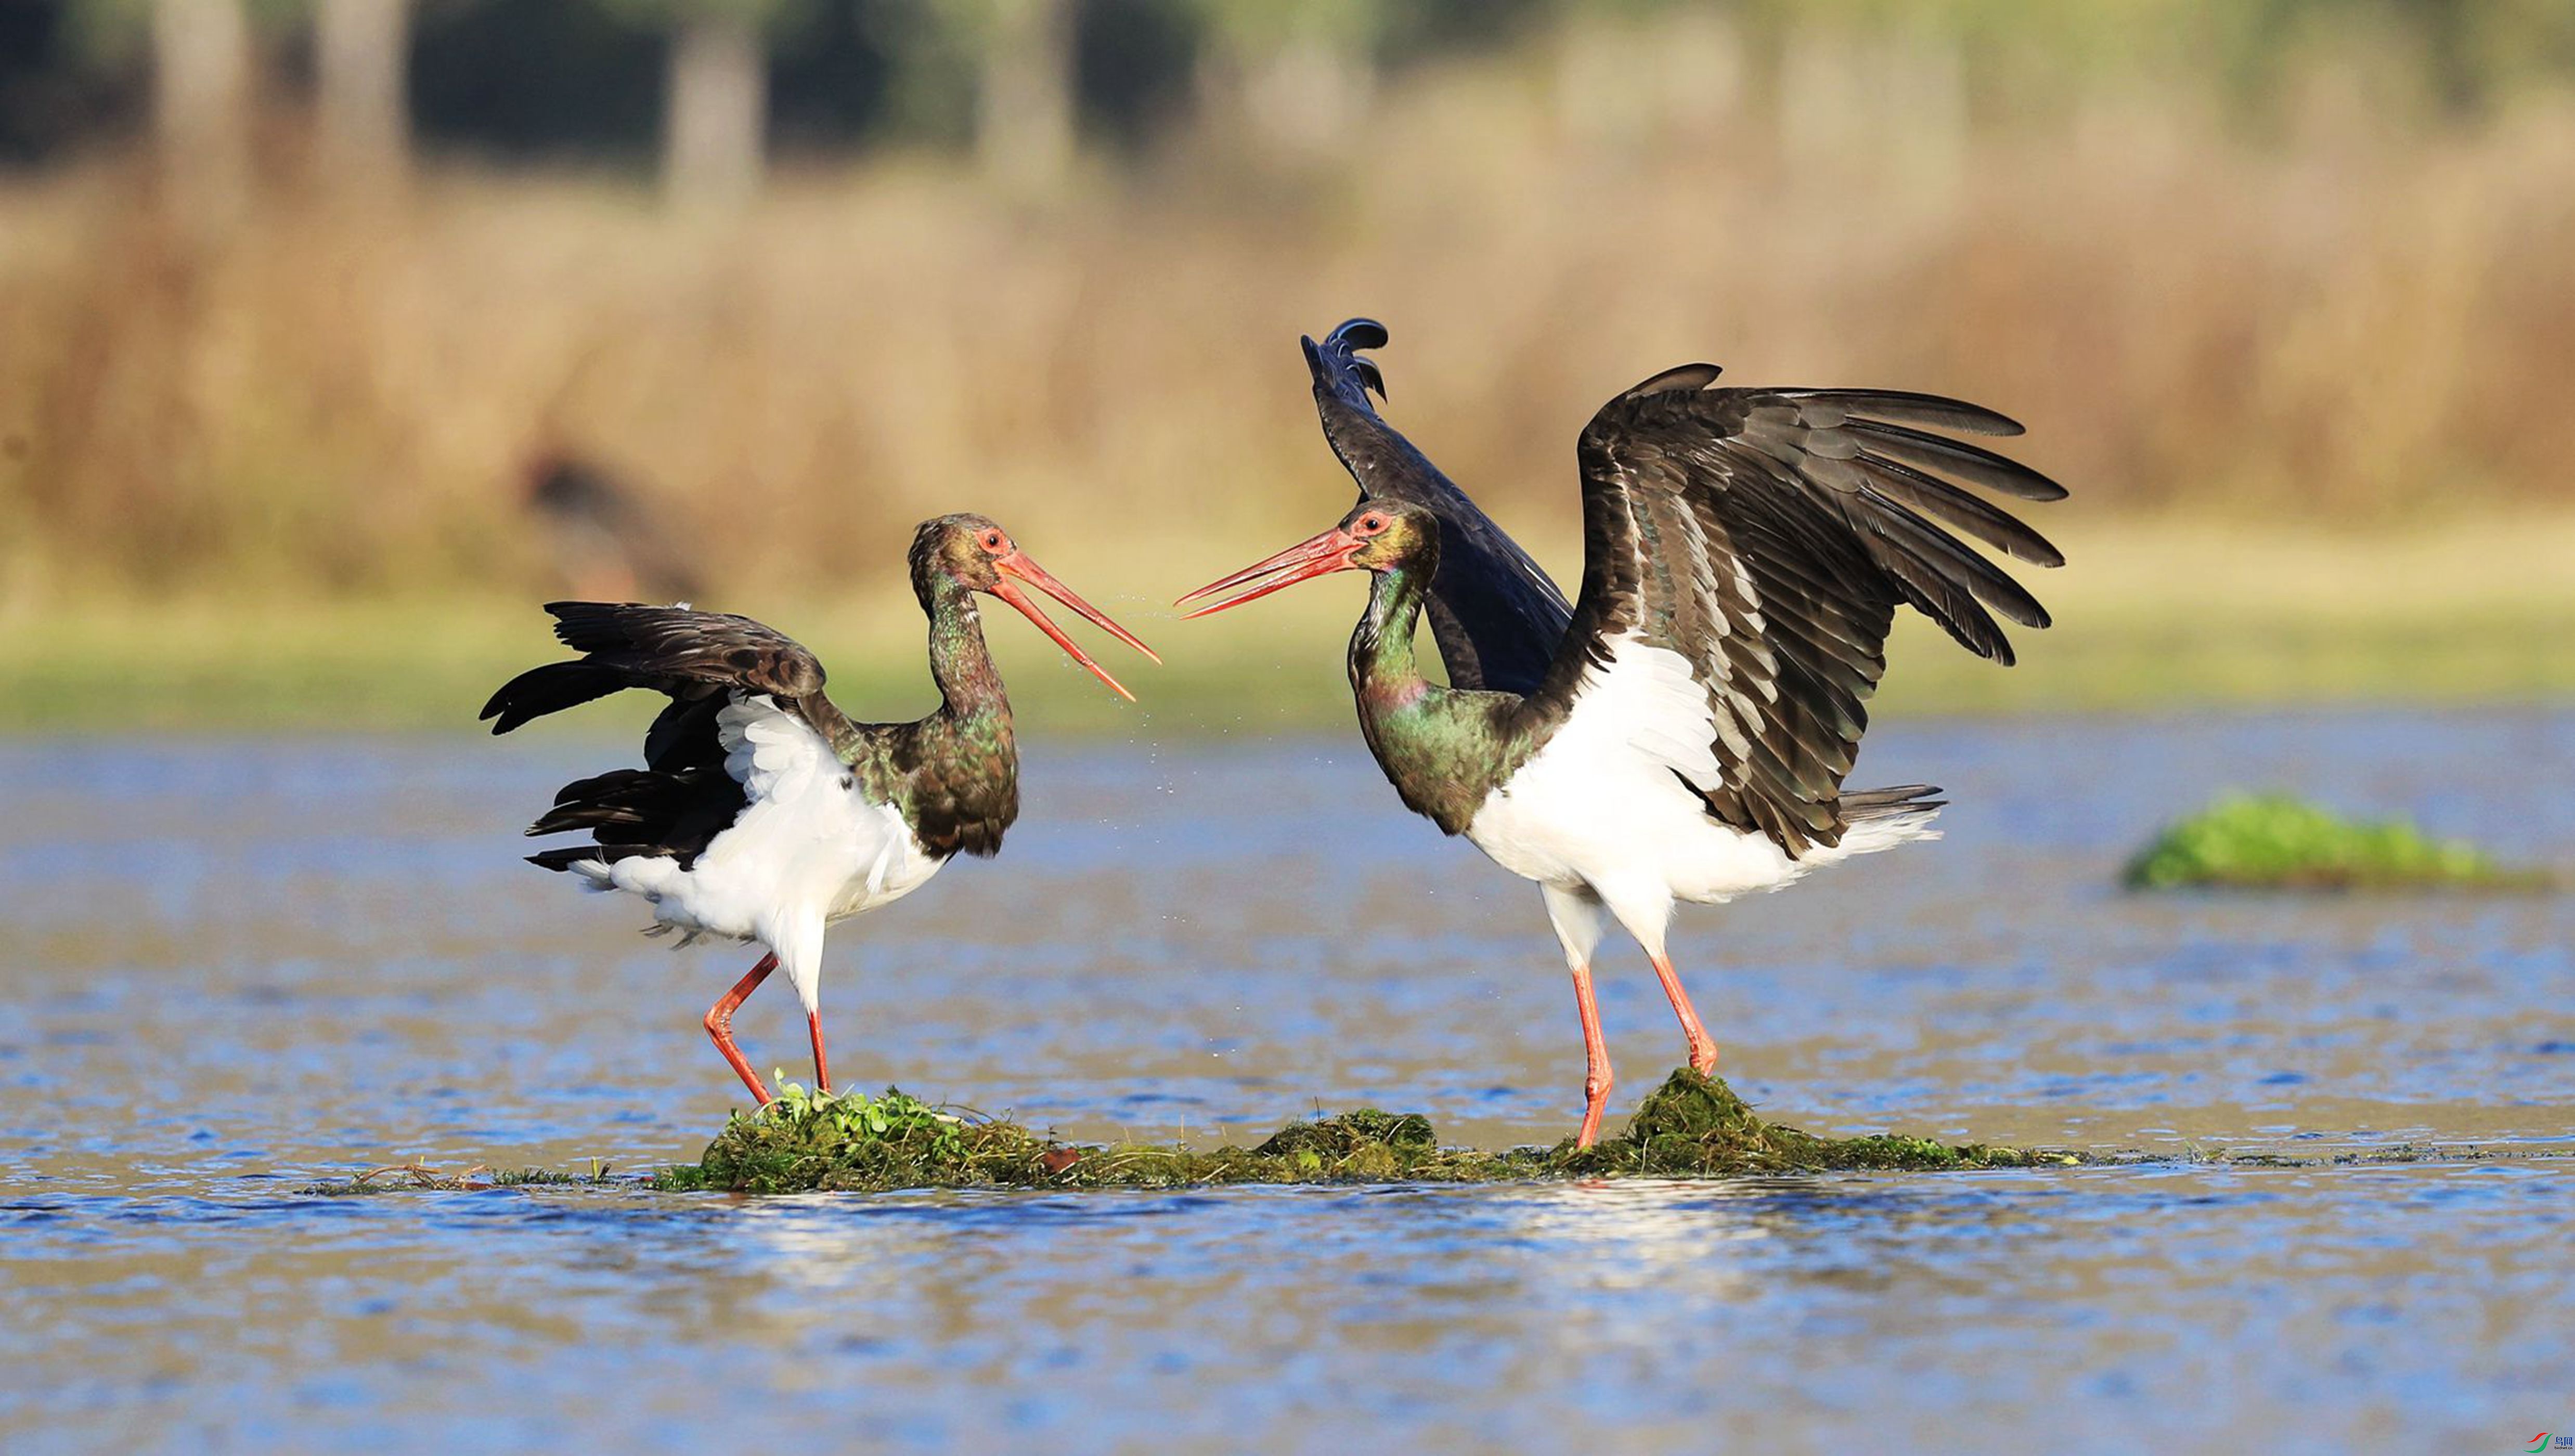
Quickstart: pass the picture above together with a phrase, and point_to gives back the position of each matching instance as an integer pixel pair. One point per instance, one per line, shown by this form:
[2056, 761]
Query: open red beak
[1018, 565]
[1319, 556]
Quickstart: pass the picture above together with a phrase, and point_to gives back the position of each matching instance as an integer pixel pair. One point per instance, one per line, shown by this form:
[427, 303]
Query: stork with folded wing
[763, 812]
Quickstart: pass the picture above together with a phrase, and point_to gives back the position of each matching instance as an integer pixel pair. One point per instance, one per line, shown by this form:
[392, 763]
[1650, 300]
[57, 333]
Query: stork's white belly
[1603, 806]
[785, 858]
[809, 847]
[1573, 820]
[900, 868]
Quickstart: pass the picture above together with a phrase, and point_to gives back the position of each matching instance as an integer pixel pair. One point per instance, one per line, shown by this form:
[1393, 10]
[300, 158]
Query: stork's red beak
[1319, 556]
[1018, 565]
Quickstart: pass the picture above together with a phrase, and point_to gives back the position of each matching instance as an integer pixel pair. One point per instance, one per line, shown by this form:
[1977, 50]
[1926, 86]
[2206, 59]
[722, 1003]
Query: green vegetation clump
[852, 1142]
[1693, 1126]
[805, 1140]
[2273, 841]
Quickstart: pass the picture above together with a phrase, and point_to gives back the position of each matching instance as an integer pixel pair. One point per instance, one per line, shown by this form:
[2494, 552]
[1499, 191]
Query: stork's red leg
[1596, 1076]
[1702, 1047]
[822, 1072]
[720, 1026]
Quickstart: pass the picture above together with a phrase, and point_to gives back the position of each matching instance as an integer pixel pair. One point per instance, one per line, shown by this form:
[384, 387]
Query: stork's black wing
[1496, 617]
[700, 660]
[1767, 537]
[685, 793]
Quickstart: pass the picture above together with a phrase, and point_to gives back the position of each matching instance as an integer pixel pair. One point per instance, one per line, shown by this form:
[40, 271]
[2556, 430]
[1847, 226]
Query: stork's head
[974, 553]
[1377, 536]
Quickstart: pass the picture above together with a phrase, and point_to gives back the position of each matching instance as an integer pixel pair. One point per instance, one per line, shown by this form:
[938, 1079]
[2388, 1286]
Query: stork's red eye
[1371, 524]
[992, 540]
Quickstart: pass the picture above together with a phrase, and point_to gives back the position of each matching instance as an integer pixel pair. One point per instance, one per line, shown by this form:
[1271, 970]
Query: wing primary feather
[1928, 591]
[1987, 523]
[1905, 407]
[1960, 563]
[1966, 462]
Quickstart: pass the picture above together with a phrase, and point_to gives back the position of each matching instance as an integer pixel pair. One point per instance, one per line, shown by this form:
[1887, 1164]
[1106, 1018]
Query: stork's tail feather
[646, 868]
[1880, 818]
[574, 856]
[1879, 804]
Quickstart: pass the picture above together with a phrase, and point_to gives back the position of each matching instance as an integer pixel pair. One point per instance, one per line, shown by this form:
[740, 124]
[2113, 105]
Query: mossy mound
[2272, 841]
[855, 1143]
[804, 1140]
[1693, 1126]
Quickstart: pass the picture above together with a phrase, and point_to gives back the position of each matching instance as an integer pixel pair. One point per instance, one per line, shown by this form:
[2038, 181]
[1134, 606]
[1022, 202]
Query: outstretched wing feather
[700, 660]
[694, 782]
[1767, 535]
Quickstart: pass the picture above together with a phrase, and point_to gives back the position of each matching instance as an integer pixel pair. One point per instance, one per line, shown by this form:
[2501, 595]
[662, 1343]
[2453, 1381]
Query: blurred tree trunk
[716, 107]
[201, 101]
[1024, 123]
[361, 55]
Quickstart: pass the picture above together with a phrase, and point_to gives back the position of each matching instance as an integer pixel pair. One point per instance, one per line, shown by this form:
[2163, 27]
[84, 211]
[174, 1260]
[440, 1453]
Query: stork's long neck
[1384, 674]
[972, 698]
[953, 775]
[1443, 749]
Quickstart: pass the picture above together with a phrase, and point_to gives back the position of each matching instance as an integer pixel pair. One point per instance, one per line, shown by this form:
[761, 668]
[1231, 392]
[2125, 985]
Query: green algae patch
[2273, 841]
[1693, 1126]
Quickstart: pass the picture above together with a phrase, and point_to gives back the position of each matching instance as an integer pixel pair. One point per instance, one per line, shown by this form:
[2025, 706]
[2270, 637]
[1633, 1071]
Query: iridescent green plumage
[1443, 749]
[953, 775]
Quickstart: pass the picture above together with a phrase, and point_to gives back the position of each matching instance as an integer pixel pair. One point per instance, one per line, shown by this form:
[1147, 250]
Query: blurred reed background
[336, 334]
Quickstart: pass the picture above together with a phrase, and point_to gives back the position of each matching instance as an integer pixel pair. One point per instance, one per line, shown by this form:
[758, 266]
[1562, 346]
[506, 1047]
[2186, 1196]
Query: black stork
[1744, 550]
[763, 812]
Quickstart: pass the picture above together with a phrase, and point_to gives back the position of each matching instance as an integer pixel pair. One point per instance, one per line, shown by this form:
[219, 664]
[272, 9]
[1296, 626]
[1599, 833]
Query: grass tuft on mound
[1692, 1127]
[1695, 1126]
[2274, 842]
[415, 1177]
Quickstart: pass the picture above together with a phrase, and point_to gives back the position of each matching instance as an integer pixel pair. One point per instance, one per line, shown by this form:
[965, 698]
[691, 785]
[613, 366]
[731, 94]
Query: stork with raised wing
[763, 812]
[1744, 550]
